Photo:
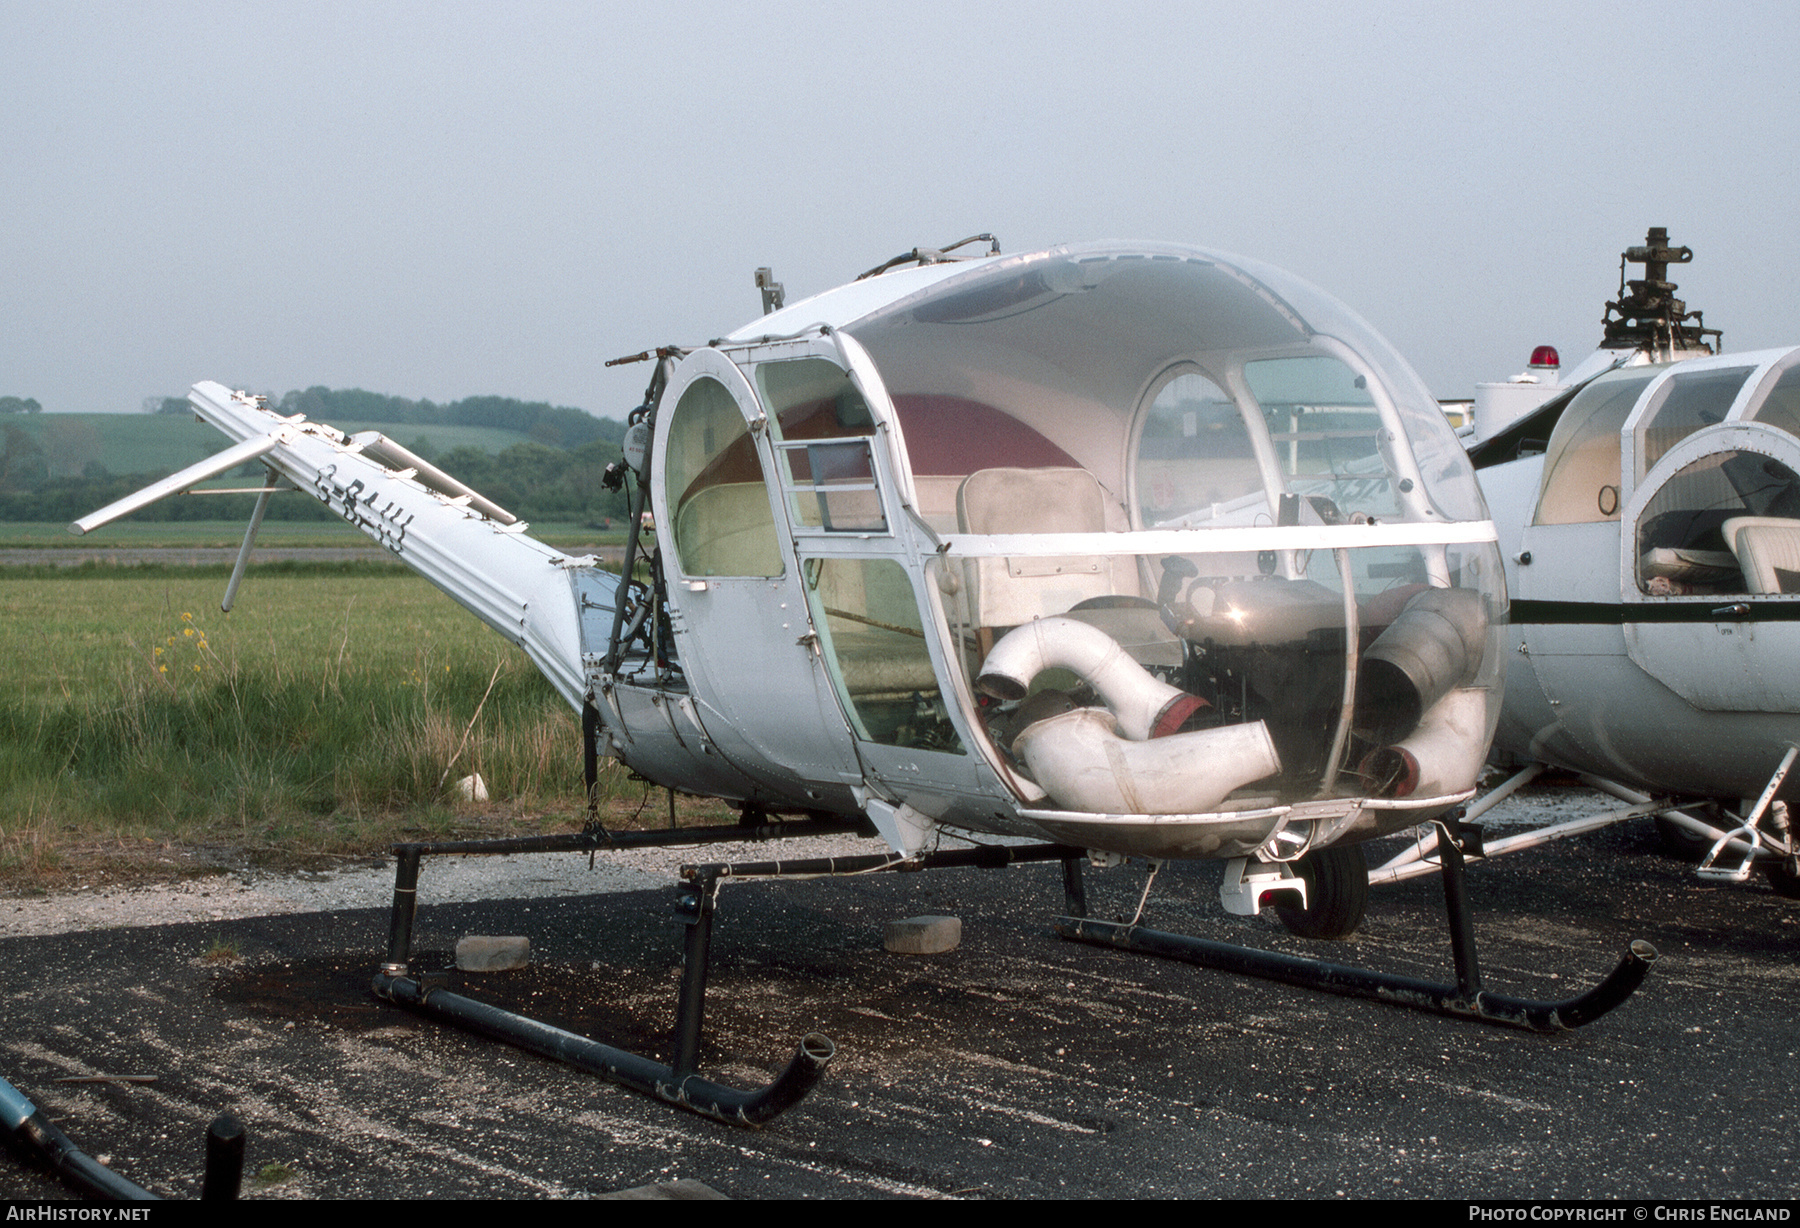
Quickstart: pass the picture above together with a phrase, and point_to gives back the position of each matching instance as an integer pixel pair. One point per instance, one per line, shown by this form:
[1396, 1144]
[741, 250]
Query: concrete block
[483, 953]
[923, 935]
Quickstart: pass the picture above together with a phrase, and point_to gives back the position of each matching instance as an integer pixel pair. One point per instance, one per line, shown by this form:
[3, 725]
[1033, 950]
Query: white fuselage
[1651, 642]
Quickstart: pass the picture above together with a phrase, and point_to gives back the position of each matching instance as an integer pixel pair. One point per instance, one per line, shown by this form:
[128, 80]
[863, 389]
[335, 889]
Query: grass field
[333, 711]
[125, 534]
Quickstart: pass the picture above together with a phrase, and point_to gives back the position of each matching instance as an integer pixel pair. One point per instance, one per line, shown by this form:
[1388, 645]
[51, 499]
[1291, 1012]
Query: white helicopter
[1649, 512]
[1144, 550]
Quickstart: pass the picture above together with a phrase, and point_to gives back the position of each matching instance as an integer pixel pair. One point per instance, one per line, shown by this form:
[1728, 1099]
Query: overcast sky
[441, 200]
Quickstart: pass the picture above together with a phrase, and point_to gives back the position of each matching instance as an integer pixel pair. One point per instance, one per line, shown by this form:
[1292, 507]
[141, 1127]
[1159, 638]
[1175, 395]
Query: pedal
[1246, 882]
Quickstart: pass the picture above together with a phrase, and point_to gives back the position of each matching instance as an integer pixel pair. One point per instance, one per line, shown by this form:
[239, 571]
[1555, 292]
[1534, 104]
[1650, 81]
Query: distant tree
[558, 426]
[69, 442]
[19, 405]
[21, 459]
[166, 405]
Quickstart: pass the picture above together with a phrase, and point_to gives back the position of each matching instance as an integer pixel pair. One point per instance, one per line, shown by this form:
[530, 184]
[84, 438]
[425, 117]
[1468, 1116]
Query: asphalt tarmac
[1017, 1066]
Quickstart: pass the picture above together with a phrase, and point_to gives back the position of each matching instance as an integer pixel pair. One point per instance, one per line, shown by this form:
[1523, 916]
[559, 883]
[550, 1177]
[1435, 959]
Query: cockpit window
[1581, 467]
[1045, 362]
[1687, 401]
[724, 525]
[1781, 407]
[810, 398]
[1105, 438]
[1326, 431]
[1194, 453]
[1728, 523]
[821, 427]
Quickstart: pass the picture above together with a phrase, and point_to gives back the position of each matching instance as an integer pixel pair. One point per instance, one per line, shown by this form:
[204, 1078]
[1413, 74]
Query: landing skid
[1467, 999]
[1733, 846]
[676, 1082]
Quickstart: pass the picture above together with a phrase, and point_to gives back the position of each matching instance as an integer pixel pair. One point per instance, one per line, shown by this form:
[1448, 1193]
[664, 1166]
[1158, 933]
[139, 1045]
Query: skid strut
[1466, 999]
[676, 1082]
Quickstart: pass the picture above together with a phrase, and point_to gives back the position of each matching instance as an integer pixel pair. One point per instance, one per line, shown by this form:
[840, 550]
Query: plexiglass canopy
[1228, 475]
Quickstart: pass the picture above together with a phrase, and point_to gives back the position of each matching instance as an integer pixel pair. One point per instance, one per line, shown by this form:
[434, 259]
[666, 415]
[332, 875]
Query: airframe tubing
[27, 1124]
[703, 1096]
[676, 1084]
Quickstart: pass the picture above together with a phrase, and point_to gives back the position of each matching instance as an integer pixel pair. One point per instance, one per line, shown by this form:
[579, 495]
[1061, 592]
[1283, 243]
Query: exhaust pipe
[1084, 764]
[1432, 648]
[1144, 707]
[1443, 755]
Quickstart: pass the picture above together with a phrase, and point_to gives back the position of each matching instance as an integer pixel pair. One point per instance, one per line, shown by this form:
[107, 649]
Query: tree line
[554, 476]
[556, 426]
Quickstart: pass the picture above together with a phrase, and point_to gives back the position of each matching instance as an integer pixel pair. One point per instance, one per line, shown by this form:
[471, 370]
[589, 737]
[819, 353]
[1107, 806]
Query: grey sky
[439, 200]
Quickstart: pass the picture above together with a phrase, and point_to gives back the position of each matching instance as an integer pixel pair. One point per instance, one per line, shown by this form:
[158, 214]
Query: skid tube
[676, 1082]
[1466, 999]
[38, 1136]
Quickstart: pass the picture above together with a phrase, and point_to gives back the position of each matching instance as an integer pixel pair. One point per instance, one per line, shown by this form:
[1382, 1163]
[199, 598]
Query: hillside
[55, 467]
[163, 443]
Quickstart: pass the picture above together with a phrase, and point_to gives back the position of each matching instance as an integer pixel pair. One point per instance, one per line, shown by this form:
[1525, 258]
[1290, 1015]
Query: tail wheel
[1337, 893]
[1784, 881]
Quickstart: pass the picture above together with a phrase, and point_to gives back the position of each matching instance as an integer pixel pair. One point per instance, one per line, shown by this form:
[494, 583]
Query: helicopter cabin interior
[1108, 405]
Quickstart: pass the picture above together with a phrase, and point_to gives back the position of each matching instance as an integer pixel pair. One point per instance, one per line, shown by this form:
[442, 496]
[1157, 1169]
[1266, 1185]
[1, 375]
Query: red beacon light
[1546, 356]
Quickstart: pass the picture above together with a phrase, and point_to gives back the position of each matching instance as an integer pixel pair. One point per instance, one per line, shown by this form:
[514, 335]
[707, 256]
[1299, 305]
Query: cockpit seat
[1005, 592]
[728, 530]
[1768, 551]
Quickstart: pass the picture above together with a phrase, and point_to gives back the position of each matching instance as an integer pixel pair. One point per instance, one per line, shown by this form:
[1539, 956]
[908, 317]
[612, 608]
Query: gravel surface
[252, 893]
[1017, 1066]
[473, 879]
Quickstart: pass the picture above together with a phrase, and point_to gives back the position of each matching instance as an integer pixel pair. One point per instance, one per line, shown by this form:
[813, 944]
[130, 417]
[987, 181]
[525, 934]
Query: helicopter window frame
[824, 438]
[1781, 378]
[1723, 441]
[1684, 390]
[717, 528]
[1587, 446]
[1261, 502]
[874, 641]
[1399, 449]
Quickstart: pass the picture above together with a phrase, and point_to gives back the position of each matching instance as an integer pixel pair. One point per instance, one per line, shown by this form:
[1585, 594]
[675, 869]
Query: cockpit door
[843, 483]
[1710, 566]
[740, 615]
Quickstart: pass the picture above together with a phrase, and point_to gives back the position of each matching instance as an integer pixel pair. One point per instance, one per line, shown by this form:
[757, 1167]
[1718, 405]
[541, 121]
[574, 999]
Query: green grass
[327, 713]
[136, 535]
[132, 534]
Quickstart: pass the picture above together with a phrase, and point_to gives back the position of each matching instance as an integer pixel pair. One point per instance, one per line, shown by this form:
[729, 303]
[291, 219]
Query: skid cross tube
[677, 1082]
[1466, 999]
[700, 894]
[689, 1091]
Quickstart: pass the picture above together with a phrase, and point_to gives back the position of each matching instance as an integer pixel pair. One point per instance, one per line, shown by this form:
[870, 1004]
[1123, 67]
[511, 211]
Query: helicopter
[1138, 550]
[1649, 513]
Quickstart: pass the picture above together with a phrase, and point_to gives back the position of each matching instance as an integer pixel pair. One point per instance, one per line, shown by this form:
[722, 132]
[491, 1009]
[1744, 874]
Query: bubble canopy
[1152, 530]
[1113, 356]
